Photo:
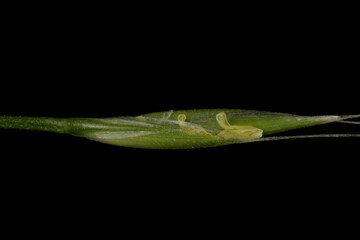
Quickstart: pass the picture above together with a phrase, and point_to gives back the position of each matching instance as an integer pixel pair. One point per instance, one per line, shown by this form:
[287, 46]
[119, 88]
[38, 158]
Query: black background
[102, 65]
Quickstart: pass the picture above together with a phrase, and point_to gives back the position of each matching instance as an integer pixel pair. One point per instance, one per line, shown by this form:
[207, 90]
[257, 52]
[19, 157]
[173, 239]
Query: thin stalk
[306, 136]
[349, 117]
[56, 125]
[349, 122]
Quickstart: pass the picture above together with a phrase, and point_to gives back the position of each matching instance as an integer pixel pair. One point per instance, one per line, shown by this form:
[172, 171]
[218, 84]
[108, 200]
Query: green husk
[175, 129]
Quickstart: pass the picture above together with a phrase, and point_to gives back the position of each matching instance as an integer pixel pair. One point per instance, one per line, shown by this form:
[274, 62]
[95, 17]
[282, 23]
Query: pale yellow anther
[222, 120]
[236, 131]
[190, 128]
[230, 132]
[181, 117]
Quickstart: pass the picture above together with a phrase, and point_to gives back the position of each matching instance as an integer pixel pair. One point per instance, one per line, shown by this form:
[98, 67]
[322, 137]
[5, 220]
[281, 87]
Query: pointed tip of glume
[324, 119]
[327, 118]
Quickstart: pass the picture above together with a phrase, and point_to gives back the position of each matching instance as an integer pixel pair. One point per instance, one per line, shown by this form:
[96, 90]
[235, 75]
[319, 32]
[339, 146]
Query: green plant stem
[34, 123]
